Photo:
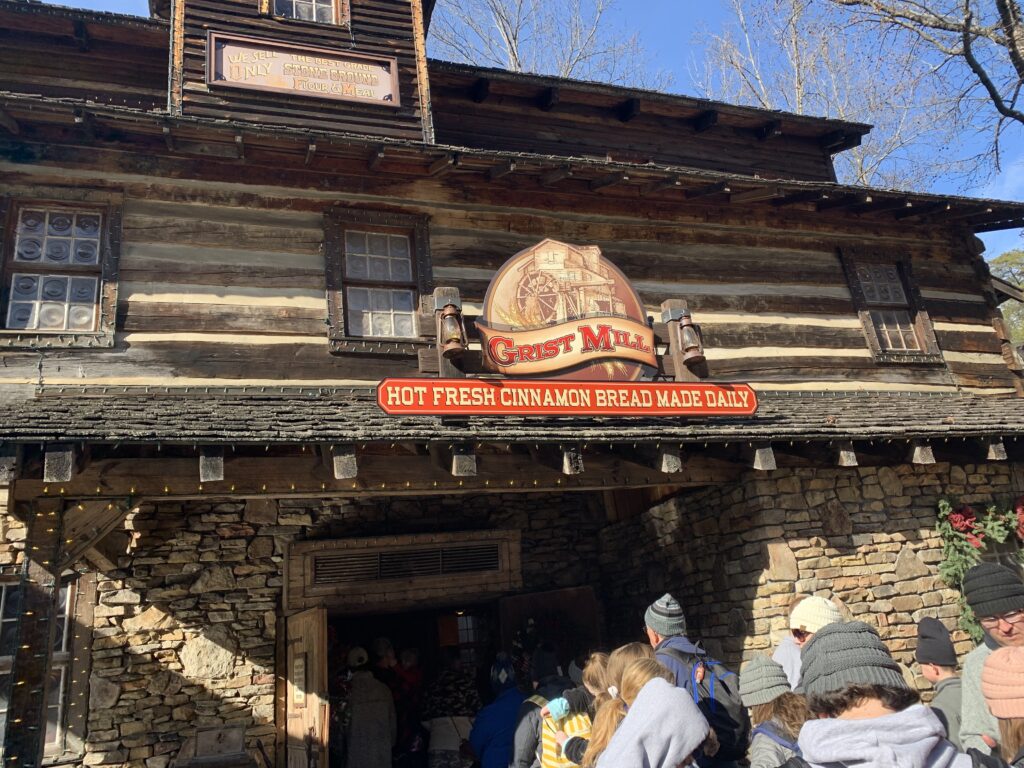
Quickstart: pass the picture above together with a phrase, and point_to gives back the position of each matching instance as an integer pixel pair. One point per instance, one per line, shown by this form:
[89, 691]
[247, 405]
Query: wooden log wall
[378, 28]
[123, 65]
[582, 124]
[223, 284]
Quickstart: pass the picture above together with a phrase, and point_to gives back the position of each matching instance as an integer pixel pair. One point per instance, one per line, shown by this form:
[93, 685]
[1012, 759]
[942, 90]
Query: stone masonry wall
[735, 555]
[184, 632]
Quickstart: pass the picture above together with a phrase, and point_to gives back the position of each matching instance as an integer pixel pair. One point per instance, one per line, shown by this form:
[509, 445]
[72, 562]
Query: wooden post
[344, 463]
[211, 464]
[995, 449]
[845, 454]
[763, 459]
[463, 461]
[670, 461]
[572, 461]
[921, 453]
[59, 463]
[30, 669]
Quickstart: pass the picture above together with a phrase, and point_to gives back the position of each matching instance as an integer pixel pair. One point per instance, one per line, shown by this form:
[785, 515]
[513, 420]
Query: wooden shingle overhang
[270, 415]
[63, 21]
[402, 158]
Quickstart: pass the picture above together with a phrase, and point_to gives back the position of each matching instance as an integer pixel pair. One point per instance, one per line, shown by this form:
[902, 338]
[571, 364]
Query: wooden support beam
[995, 449]
[551, 178]
[344, 463]
[769, 130]
[86, 524]
[996, 226]
[376, 159]
[921, 210]
[718, 188]
[240, 146]
[844, 201]
[968, 212]
[768, 192]
[628, 110]
[442, 165]
[838, 141]
[168, 138]
[803, 196]
[669, 461]
[211, 463]
[10, 463]
[480, 90]
[463, 461]
[85, 123]
[705, 121]
[762, 457]
[921, 452]
[501, 170]
[846, 456]
[548, 99]
[310, 152]
[608, 180]
[883, 205]
[59, 462]
[572, 461]
[8, 123]
[672, 182]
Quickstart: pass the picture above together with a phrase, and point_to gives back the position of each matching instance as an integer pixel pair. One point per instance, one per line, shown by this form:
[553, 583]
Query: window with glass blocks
[320, 11]
[57, 257]
[895, 324]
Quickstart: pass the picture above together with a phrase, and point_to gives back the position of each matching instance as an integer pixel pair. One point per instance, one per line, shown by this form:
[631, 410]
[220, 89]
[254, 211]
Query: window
[319, 11]
[891, 310]
[378, 267]
[58, 273]
[10, 611]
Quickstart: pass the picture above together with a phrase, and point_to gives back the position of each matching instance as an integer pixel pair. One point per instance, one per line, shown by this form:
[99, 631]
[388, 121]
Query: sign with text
[265, 65]
[506, 397]
[566, 312]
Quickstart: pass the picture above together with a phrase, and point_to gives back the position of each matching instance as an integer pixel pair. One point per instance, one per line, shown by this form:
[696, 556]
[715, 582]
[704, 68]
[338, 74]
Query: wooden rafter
[705, 121]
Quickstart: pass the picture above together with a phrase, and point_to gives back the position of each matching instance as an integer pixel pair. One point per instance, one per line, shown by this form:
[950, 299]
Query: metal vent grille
[347, 567]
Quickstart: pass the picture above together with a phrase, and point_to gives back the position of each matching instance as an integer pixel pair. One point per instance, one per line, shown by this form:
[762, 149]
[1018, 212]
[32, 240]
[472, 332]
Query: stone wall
[184, 632]
[735, 555]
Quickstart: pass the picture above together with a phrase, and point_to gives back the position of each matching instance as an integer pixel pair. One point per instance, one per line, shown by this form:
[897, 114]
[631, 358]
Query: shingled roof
[347, 415]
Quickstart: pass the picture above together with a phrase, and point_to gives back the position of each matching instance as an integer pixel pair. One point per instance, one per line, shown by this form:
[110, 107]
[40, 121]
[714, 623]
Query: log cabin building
[225, 224]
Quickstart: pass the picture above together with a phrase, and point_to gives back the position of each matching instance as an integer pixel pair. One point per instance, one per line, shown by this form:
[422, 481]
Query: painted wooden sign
[565, 312]
[265, 65]
[508, 397]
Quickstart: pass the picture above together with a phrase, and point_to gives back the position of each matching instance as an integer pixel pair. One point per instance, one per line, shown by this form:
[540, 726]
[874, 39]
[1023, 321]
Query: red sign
[504, 397]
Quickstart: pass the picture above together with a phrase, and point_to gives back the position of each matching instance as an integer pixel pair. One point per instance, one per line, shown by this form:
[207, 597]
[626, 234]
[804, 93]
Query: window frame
[929, 353]
[342, 15]
[110, 207]
[416, 227]
[75, 660]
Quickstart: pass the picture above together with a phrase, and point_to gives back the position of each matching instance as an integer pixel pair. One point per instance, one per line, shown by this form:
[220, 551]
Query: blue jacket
[494, 728]
[680, 644]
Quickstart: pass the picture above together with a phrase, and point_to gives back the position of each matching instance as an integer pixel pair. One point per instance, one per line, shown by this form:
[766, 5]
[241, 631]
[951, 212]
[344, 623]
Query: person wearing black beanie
[996, 595]
[937, 658]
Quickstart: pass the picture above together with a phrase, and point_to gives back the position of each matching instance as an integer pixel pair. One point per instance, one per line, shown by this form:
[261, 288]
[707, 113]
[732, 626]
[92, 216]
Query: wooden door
[307, 714]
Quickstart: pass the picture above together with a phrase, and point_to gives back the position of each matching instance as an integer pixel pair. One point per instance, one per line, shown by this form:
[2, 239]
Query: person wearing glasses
[996, 595]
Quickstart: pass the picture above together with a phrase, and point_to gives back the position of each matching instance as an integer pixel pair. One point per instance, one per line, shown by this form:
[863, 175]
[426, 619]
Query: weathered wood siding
[378, 28]
[225, 285]
[105, 63]
[582, 124]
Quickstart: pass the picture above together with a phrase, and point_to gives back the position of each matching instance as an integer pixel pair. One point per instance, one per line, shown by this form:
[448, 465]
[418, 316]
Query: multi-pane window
[10, 612]
[889, 307]
[56, 688]
[54, 270]
[322, 11]
[380, 290]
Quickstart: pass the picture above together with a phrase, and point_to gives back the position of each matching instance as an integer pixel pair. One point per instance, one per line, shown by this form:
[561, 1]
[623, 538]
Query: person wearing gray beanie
[868, 717]
[995, 594]
[936, 656]
[776, 713]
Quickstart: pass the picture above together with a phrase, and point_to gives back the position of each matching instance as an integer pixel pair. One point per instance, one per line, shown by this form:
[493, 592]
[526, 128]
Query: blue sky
[670, 32]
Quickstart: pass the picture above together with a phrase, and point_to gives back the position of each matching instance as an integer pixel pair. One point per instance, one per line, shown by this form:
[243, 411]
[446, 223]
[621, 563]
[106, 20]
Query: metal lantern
[451, 332]
[691, 341]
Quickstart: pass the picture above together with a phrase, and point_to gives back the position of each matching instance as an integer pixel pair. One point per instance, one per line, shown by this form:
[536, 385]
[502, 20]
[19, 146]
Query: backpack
[549, 750]
[770, 731]
[716, 692]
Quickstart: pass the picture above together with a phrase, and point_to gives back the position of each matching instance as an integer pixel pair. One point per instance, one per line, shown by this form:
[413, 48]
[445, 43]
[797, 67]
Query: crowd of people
[831, 695]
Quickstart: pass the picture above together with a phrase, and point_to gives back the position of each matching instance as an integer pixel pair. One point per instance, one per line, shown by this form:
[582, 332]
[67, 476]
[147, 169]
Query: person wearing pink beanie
[1002, 683]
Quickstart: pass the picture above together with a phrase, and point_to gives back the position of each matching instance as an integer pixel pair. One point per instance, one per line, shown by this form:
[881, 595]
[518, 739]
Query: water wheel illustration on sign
[539, 296]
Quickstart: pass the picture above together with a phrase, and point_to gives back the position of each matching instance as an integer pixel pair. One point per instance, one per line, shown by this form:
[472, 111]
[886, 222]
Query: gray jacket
[372, 728]
[947, 706]
[975, 719]
[765, 752]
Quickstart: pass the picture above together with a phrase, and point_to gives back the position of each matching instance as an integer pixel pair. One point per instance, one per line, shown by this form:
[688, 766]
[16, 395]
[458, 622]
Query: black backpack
[716, 692]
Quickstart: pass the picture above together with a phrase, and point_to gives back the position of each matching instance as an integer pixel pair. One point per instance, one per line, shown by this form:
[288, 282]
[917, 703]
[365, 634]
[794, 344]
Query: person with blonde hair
[661, 727]
[1002, 684]
[584, 699]
[776, 713]
[609, 713]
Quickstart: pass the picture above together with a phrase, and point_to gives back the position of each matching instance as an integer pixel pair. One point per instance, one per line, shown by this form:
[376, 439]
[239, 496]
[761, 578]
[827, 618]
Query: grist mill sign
[264, 65]
[570, 334]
